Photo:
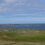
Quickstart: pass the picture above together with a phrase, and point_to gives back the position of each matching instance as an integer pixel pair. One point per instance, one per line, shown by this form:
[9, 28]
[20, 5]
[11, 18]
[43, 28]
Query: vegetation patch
[14, 36]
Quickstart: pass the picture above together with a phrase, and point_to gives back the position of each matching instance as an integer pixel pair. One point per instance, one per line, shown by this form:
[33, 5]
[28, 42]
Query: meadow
[24, 37]
[30, 37]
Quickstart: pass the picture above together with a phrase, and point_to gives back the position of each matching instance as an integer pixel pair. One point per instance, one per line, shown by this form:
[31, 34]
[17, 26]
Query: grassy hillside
[8, 36]
[31, 36]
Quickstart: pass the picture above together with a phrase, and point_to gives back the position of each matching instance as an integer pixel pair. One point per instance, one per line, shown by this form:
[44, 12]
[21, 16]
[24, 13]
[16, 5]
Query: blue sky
[22, 11]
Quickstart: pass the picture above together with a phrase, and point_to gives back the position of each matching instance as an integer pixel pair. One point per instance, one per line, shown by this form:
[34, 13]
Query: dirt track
[7, 42]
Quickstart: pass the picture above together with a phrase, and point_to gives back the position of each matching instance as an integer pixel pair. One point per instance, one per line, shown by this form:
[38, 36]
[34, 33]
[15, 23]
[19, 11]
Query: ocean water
[24, 26]
[31, 26]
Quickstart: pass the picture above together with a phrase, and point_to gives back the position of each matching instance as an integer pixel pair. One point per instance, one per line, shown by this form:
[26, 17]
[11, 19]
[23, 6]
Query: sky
[22, 11]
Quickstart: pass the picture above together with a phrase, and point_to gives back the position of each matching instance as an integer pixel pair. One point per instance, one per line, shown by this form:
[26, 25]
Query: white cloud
[5, 6]
[10, 1]
[3, 9]
[6, 10]
[19, 5]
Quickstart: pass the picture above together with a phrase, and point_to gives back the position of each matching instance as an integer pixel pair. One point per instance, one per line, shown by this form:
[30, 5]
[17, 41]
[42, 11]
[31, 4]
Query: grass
[31, 38]
[30, 43]
[8, 36]
[15, 36]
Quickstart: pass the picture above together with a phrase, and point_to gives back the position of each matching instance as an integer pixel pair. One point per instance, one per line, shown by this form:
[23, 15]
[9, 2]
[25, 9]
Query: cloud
[21, 6]
[10, 6]
[30, 20]
[4, 9]
[30, 6]
[7, 21]
[9, 1]
[38, 20]
[6, 6]
[19, 9]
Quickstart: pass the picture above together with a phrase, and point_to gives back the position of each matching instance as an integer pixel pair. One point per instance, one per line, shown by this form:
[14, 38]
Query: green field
[31, 36]
[23, 36]
[7, 38]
